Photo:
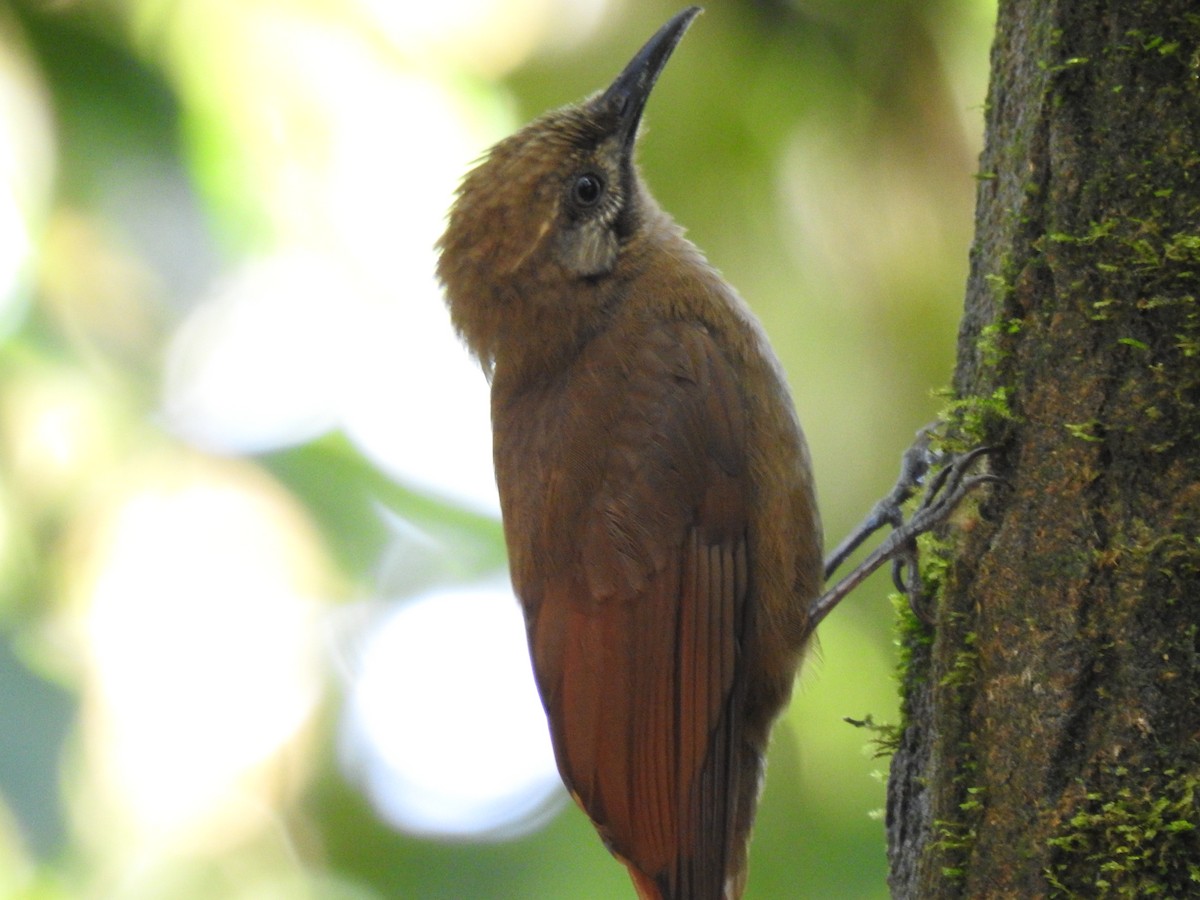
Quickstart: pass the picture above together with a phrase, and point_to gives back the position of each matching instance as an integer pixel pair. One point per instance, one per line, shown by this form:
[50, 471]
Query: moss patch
[1136, 835]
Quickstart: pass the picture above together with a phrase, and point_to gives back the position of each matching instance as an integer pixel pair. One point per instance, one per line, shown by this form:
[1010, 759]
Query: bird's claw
[948, 488]
[951, 483]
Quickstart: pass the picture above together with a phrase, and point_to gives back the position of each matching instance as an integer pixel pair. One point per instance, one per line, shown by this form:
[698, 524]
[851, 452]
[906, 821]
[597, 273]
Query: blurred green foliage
[820, 152]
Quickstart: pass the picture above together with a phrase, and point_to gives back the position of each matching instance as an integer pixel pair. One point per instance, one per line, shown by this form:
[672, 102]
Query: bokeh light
[198, 585]
[26, 169]
[444, 727]
[353, 158]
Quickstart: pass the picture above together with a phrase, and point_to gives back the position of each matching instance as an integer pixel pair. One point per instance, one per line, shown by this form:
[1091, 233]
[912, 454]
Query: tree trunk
[1051, 745]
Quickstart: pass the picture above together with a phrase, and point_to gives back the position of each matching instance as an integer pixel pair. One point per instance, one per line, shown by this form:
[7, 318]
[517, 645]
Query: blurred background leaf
[255, 639]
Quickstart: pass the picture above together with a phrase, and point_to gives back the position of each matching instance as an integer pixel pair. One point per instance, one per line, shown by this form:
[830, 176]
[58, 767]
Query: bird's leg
[914, 465]
[943, 493]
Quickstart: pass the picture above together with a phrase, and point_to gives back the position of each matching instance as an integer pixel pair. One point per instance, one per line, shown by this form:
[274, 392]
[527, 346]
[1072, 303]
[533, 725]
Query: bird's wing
[636, 642]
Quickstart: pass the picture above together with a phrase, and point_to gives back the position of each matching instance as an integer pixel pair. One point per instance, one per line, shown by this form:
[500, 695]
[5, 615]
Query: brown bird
[654, 482]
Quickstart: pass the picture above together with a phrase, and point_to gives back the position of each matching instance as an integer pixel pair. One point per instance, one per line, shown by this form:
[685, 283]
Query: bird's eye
[587, 189]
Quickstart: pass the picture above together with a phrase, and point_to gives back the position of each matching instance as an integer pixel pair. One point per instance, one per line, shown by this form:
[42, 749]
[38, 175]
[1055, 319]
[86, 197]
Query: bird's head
[553, 204]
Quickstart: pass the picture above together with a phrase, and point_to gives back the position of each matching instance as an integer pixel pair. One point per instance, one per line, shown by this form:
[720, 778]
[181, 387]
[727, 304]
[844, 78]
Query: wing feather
[636, 642]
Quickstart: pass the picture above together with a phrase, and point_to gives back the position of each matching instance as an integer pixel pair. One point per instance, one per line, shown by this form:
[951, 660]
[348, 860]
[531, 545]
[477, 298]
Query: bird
[656, 489]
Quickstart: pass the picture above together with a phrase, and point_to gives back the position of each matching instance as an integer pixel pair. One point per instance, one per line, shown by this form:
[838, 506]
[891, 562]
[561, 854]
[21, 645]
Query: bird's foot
[952, 483]
[948, 487]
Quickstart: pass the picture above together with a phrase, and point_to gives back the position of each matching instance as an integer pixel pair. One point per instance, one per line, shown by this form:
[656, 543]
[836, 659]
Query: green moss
[1091, 431]
[911, 633]
[963, 669]
[973, 801]
[994, 344]
[953, 841]
[975, 420]
[913, 640]
[1134, 343]
[1182, 247]
[1136, 837]
[884, 738]
[956, 644]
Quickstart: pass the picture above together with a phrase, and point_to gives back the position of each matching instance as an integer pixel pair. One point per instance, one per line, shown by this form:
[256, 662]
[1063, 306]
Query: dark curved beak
[627, 95]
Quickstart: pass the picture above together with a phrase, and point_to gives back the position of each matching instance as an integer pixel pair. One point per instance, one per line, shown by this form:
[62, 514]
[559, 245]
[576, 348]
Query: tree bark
[1051, 743]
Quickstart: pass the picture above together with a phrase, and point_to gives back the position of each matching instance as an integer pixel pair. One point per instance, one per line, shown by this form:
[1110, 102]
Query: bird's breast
[551, 451]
